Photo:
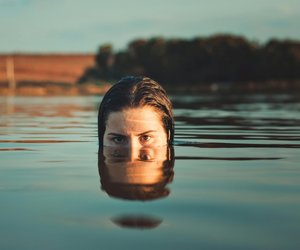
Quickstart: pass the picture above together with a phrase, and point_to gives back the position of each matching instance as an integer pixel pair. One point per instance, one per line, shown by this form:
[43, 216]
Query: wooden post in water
[10, 73]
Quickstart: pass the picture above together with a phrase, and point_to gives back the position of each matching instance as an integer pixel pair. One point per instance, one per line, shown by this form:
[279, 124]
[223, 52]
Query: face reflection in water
[136, 175]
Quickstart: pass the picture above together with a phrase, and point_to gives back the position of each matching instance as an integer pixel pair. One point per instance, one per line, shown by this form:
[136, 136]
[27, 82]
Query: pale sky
[83, 25]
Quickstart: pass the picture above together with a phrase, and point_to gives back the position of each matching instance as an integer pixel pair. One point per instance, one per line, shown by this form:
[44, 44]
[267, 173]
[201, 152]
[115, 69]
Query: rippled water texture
[235, 182]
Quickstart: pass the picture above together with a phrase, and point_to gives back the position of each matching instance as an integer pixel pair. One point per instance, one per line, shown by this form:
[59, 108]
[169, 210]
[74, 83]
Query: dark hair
[132, 92]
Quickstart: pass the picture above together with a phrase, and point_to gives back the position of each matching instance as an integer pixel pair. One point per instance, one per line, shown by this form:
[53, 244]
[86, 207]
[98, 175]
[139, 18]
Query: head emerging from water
[135, 112]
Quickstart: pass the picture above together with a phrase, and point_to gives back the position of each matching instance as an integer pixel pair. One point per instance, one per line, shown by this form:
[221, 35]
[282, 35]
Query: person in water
[136, 112]
[135, 131]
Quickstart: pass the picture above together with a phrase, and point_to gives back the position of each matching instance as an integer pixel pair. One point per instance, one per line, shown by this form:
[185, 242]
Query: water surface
[235, 183]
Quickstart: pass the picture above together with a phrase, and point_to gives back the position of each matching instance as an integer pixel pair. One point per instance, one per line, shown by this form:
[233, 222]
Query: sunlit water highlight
[236, 182]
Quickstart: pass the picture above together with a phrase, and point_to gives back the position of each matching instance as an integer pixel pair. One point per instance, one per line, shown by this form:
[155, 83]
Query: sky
[83, 25]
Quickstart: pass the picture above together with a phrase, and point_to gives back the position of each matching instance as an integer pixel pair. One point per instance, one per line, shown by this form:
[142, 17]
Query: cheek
[163, 138]
[166, 130]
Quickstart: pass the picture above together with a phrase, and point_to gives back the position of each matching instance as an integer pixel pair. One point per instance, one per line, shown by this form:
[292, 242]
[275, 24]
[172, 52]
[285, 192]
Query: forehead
[134, 119]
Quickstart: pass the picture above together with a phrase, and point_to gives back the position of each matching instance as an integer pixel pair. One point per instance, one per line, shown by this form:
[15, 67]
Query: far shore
[61, 89]
[55, 90]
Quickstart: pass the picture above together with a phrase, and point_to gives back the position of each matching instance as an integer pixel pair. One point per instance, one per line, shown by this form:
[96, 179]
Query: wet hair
[134, 92]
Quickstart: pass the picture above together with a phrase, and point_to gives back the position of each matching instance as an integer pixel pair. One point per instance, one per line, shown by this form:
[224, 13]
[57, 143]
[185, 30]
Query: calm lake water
[234, 184]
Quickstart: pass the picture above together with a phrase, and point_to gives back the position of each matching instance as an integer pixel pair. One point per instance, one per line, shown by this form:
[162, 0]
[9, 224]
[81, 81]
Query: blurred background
[80, 47]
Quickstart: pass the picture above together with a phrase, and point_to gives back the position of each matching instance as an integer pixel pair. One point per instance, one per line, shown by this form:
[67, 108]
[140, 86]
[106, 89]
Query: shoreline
[55, 90]
[63, 89]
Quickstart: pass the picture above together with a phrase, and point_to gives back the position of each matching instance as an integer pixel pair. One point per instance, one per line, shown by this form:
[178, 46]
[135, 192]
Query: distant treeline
[220, 58]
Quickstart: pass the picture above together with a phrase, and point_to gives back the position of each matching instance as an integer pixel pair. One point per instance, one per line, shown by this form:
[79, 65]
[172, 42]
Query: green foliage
[221, 58]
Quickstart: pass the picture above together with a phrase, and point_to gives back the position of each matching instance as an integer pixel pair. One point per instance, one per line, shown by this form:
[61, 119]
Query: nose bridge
[134, 147]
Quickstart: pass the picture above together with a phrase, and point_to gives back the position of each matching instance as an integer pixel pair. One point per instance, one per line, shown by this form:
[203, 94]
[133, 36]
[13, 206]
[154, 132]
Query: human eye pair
[122, 140]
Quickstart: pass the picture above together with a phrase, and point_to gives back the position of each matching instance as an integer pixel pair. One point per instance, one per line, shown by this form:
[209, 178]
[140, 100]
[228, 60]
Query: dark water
[235, 183]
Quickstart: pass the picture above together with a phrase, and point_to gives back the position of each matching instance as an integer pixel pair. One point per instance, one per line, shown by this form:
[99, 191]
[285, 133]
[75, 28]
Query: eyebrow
[115, 134]
[146, 132]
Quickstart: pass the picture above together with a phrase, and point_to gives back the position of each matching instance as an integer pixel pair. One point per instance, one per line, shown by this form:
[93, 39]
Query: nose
[134, 147]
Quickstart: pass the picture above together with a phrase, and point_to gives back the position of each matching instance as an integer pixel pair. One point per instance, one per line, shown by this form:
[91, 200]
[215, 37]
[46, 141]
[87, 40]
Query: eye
[119, 139]
[145, 139]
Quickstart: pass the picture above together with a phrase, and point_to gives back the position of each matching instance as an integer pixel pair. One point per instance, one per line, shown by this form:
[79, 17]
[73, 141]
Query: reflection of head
[135, 92]
[142, 178]
[137, 221]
